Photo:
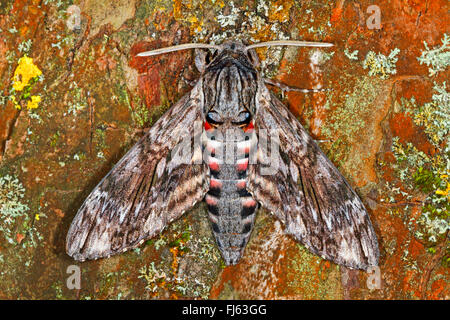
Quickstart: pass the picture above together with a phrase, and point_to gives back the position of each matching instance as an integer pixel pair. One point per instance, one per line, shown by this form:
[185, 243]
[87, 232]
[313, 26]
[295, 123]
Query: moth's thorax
[230, 85]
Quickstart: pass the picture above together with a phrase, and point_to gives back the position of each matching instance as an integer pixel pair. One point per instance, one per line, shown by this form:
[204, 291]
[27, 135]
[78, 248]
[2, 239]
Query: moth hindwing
[248, 151]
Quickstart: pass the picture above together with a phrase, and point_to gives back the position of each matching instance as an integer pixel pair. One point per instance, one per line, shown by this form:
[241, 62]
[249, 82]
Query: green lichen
[141, 116]
[53, 140]
[426, 180]
[312, 277]
[408, 159]
[380, 65]
[438, 58]
[159, 243]
[100, 138]
[78, 103]
[58, 289]
[428, 174]
[347, 119]
[111, 283]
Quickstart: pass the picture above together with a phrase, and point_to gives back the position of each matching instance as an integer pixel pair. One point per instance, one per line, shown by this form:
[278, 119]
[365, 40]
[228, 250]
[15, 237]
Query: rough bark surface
[384, 124]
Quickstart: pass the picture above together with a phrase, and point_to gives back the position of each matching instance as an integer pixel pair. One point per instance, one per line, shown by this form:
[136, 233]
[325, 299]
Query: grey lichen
[380, 65]
[351, 55]
[435, 117]
[198, 268]
[190, 260]
[193, 275]
[433, 227]
[152, 276]
[438, 58]
[78, 103]
[249, 25]
[12, 208]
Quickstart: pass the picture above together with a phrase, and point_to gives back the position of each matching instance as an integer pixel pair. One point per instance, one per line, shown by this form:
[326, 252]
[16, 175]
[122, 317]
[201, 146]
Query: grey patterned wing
[307, 193]
[146, 190]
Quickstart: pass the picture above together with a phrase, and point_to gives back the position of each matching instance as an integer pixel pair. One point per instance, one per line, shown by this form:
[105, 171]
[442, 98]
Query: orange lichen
[177, 14]
[19, 237]
[174, 264]
[439, 289]
[337, 12]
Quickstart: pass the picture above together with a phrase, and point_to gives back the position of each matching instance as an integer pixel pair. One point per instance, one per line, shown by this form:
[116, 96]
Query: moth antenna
[177, 48]
[289, 43]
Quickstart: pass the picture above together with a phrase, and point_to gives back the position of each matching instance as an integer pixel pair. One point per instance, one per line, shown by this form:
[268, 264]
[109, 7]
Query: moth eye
[253, 58]
[210, 56]
[213, 118]
[242, 119]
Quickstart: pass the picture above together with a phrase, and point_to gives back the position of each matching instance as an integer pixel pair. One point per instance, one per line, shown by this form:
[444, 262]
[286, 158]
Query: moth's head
[230, 52]
[229, 77]
[229, 83]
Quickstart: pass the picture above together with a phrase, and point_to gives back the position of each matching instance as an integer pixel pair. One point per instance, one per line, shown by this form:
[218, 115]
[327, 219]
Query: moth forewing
[145, 190]
[311, 197]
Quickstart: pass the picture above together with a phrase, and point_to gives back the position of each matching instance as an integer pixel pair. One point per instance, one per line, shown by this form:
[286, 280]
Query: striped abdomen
[231, 207]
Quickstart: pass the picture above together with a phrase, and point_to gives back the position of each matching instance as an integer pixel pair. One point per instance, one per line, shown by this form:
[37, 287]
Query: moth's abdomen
[232, 218]
[231, 207]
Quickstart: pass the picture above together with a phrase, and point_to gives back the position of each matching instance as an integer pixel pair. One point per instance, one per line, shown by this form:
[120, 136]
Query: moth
[245, 150]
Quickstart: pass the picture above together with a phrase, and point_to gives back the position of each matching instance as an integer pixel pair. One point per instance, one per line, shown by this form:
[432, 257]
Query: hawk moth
[148, 188]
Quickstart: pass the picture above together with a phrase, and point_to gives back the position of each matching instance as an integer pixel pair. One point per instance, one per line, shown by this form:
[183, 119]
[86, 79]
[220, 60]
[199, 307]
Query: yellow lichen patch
[279, 11]
[178, 5]
[445, 192]
[16, 104]
[220, 3]
[196, 25]
[25, 71]
[34, 102]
